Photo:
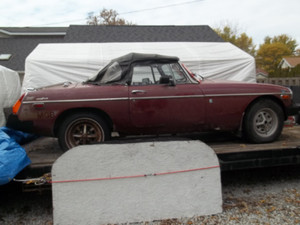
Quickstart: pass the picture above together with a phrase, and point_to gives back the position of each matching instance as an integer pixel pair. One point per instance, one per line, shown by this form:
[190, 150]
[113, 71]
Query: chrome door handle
[138, 91]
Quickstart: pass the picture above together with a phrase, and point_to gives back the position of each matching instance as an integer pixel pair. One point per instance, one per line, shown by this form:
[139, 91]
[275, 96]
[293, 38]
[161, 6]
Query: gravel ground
[261, 196]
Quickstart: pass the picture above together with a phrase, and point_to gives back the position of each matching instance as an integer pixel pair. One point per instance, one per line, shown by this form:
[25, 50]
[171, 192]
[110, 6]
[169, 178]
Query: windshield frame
[195, 78]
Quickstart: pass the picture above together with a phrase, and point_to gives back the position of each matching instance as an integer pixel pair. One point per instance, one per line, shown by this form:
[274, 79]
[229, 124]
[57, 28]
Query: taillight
[17, 105]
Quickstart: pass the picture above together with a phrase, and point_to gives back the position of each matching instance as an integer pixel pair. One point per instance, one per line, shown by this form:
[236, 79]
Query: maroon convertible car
[152, 94]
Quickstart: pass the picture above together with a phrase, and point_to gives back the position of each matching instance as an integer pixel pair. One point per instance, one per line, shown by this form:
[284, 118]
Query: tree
[284, 39]
[106, 17]
[227, 33]
[269, 55]
[273, 50]
[230, 34]
[246, 43]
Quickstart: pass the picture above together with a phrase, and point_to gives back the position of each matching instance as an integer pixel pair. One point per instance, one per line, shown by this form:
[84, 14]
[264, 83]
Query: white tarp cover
[55, 63]
[10, 90]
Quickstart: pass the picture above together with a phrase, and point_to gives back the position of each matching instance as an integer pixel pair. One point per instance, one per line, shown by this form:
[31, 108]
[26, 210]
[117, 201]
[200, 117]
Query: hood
[227, 87]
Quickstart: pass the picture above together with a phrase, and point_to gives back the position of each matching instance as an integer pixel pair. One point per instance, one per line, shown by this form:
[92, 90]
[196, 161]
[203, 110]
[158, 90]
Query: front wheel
[263, 122]
[82, 129]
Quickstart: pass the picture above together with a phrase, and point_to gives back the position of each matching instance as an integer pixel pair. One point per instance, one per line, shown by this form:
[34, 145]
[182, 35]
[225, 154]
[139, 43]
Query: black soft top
[126, 60]
[137, 57]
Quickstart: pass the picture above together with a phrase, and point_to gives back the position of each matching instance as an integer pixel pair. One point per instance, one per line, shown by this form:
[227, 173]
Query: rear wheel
[263, 122]
[82, 129]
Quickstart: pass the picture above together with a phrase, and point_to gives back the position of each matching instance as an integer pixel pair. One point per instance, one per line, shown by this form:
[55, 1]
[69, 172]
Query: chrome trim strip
[168, 97]
[77, 100]
[243, 94]
[150, 97]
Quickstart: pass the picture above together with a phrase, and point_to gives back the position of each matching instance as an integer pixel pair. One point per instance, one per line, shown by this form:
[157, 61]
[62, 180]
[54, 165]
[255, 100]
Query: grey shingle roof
[77, 33]
[20, 48]
[22, 40]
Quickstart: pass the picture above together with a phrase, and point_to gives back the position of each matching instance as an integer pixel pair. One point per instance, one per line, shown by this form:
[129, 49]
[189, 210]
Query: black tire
[81, 129]
[263, 122]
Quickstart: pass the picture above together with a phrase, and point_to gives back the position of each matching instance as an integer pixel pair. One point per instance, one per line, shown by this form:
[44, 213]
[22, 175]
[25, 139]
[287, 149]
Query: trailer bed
[233, 152]
[289, 139]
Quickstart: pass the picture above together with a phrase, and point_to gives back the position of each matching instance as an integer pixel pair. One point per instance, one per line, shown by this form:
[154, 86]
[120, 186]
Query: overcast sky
[258, 18]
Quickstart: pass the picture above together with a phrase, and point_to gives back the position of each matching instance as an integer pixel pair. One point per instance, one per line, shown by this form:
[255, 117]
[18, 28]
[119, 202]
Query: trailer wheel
[82, 129]
[263, 122]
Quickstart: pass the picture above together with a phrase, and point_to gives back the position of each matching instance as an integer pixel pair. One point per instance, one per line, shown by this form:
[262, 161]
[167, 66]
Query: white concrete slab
[174, 195]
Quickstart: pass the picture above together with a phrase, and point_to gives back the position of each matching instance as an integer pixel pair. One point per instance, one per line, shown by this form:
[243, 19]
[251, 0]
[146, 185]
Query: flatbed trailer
[233, 153]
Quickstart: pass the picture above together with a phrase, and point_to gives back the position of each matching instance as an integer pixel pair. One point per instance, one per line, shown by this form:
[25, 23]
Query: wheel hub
[83, 132]
[265, 122]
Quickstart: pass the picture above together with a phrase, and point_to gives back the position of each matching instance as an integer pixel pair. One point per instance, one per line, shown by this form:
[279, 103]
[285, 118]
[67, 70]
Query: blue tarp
[13, 157]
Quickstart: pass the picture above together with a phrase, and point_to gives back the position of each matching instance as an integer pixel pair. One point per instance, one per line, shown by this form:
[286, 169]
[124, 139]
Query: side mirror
[166, 80]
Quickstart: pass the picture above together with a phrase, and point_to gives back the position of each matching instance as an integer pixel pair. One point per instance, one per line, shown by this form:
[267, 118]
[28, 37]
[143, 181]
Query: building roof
[29, 31]
[261, 71]
[261, 74]
[16, 43]
[19, 42]
[77, 33]
[20, 48]
[292, 61]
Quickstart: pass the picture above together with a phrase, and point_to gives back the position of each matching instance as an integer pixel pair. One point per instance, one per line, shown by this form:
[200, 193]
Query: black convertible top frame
[137, 57]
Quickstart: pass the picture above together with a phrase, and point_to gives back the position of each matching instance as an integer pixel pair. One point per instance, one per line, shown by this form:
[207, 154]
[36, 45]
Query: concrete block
[111, 187]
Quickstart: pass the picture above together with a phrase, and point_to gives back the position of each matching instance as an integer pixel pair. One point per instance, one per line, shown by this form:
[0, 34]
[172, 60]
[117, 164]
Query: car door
[164, 107]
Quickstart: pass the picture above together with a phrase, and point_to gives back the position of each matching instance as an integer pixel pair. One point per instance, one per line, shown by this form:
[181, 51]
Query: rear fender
[65, 114]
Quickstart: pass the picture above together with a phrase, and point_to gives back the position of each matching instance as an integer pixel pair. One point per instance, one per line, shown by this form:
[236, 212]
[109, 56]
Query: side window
[151, 74]
[174, 71]
[167, 70]
[142, 75]
[156, 73]
[178, 73]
